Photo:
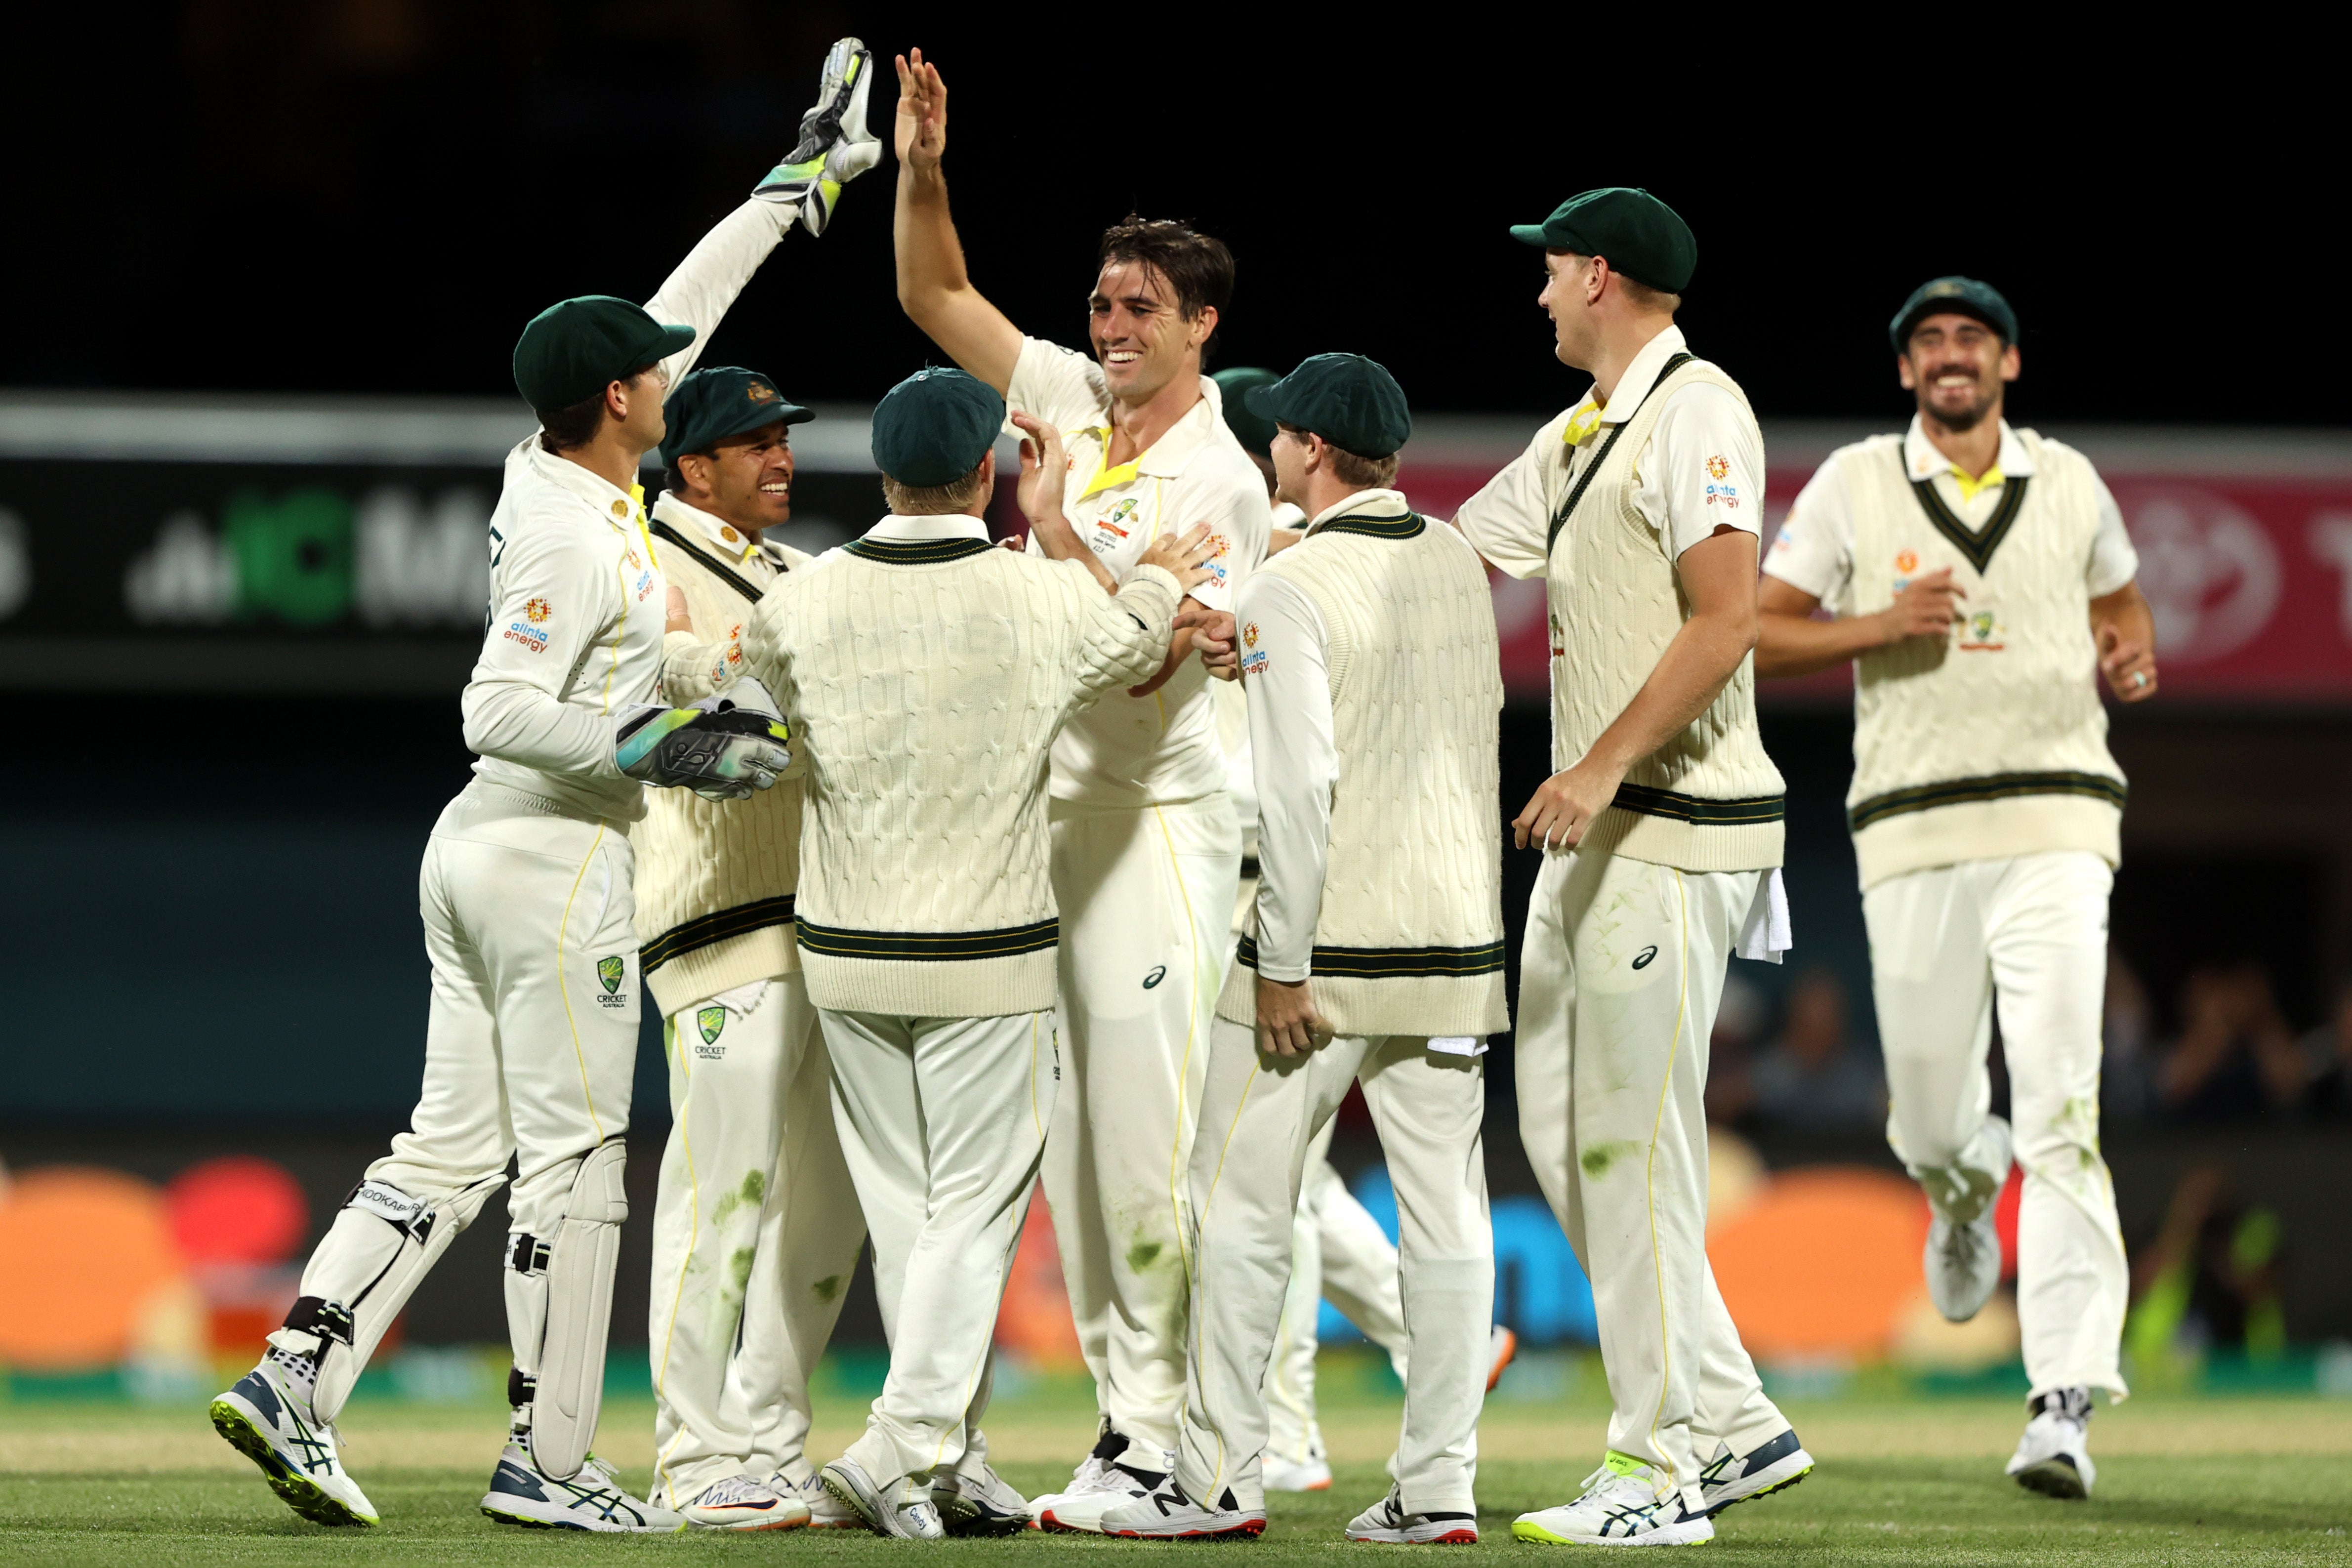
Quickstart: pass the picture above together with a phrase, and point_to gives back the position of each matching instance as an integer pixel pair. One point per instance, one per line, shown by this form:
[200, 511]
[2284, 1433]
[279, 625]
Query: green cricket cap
[1349, 401]
[935, 427]
[1961, 296]
[1642, 236]
[1253, 431]
[575, 348]
[723, 400]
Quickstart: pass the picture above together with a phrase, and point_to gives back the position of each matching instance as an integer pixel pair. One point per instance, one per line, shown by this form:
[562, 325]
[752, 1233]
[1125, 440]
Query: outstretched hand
[922, 123]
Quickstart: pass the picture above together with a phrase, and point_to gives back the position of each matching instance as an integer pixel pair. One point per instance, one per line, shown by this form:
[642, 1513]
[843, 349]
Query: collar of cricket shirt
[1641, 375]
[1378, 505]
[617, 507]
[1921, 460]
[943, 526]
[1164, 458]
[727, 542]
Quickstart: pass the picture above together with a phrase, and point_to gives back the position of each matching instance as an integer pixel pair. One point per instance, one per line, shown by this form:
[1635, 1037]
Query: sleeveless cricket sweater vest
[1709, 799]
[925, 680]
[715, 878]
[1409, 936]
[1993, 742]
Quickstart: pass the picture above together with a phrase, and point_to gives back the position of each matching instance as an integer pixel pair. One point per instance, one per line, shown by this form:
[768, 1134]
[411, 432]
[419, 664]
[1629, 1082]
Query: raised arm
[834, 147]
[933, 286]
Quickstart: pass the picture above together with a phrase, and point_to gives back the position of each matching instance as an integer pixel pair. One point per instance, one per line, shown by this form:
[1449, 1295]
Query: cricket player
[1147, 851]
[1662, 837]
[1375, 689]
[1979, 574]
[1338, 1249]
[755, 1226]
[527, 904]
[925, 673]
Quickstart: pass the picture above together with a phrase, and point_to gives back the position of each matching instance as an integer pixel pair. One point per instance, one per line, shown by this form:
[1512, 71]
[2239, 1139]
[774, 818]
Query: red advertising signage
[2245, 550]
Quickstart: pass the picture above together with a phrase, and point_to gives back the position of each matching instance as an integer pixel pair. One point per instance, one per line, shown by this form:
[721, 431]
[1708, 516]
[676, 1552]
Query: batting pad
[586, 1252]
[383, 1243]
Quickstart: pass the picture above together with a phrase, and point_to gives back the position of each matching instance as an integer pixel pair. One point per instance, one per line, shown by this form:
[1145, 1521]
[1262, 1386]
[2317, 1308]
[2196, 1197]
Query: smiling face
[1958, 367]
[1569, 297]
[1141, 337]
[746, 479]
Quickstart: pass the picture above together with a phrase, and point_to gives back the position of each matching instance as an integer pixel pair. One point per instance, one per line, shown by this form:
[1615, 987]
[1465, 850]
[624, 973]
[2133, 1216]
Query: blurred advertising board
[245, 544]
[2244, 539]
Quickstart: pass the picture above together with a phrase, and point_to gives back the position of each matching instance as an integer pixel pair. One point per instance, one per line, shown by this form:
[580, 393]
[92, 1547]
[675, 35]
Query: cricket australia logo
[610, 972]
[711, 1022]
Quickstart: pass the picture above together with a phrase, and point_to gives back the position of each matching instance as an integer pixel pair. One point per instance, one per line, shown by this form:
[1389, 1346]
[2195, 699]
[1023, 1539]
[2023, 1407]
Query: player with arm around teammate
[926, 921]
[526, 895]
[1980, 574]
[1146, 851]
[1376, 956]
[1662, 836]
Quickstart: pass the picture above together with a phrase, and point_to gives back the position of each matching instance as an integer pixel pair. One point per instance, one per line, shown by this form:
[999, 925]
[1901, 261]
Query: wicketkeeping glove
[834, 147]
[719, 748]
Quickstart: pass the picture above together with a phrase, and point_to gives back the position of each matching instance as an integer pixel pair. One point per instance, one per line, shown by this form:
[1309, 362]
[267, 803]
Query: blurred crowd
[2232, 1054]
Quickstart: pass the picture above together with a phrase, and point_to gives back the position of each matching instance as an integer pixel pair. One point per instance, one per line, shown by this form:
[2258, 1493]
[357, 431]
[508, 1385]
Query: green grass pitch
[2252, 1481]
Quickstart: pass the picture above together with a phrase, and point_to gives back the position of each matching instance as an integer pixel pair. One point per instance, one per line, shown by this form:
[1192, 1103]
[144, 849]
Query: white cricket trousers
[756, 1232]
[531, 1039]
[1619, 980]
[1147, 899]
[2031, 930]
[942, 1121]
[1336, 1250]
[1259, 1115]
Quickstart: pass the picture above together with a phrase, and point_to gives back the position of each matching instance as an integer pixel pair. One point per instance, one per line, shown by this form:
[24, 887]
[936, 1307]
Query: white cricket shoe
[984, 1504]
[1387, 1522]
[739, 1502]
[593, 1499]
[1310, 1474]
[1502, 1347]
[901, 1509]
[1620, 1507]
[264, 1419]
[1963, 1265]
[826, 1511]
[1769, 1467]
[1099, 1484]
[1165, 1513]
[2053, 1457]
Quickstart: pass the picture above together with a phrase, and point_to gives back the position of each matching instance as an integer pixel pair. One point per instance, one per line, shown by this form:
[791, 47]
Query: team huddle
[1114, 858]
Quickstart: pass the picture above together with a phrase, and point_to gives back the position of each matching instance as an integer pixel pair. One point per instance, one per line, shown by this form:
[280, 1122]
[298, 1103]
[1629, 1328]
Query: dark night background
[374, 195]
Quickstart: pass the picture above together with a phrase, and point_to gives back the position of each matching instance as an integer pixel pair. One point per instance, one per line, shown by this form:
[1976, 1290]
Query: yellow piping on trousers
[1184, 1062]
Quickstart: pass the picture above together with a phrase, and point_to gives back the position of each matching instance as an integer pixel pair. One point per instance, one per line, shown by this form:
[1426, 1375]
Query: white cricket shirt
[1813, 552]
[1164, 748]
[574, 635]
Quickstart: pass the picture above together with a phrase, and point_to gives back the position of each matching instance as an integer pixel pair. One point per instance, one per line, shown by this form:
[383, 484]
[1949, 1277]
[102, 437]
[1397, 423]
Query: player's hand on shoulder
[922, 123]
[1186, 555]
[1212, 634]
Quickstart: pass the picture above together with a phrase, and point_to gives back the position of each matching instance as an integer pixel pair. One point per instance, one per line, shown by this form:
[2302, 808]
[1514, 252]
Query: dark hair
[563, 429]
[1196, 264]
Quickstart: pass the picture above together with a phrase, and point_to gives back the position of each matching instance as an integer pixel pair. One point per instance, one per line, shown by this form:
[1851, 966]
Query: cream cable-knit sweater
[715, 878]
[924, 674]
